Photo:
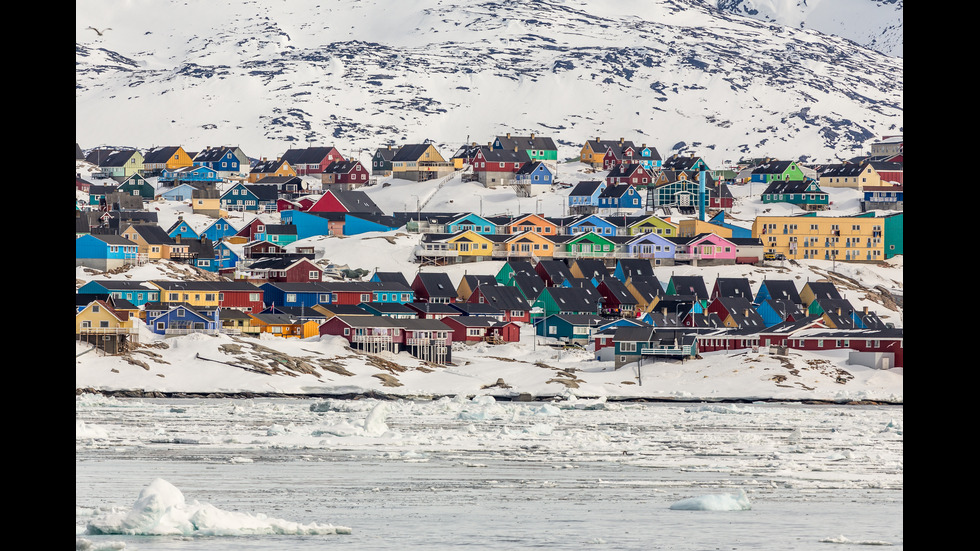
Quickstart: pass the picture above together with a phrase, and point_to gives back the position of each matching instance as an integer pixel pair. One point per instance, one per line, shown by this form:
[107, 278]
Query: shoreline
[519, 397]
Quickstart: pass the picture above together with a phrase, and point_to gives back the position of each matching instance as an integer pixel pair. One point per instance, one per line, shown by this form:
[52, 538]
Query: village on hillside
[585, 278]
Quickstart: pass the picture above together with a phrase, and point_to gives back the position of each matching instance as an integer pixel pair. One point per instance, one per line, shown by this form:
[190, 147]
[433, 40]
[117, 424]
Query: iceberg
[716, 502]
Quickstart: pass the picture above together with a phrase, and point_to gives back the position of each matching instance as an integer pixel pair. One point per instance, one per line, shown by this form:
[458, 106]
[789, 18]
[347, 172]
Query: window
[627, 347]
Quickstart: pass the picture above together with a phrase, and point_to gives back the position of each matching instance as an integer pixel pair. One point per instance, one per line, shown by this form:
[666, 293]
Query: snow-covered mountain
[724, 79]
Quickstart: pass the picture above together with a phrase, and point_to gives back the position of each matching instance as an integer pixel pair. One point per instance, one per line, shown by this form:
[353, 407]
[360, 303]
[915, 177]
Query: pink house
[707, 247]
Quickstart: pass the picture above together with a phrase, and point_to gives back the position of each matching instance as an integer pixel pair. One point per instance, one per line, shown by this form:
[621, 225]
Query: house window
[627, 347]
[291, 297]
[314, 274]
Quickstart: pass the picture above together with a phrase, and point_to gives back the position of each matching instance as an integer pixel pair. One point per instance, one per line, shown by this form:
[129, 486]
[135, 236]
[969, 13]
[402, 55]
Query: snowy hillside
[681, 75]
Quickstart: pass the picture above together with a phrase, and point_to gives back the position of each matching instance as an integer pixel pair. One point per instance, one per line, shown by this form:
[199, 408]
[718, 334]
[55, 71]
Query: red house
[341, 200]
[350, 173]
[311, 160]
[289, 270]
[629, 173]
[508, 299]
[623, 153]
[482, 328]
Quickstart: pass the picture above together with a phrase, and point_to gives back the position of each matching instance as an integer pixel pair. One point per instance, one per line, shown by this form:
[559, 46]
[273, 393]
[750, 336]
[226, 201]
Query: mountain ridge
[681, 75]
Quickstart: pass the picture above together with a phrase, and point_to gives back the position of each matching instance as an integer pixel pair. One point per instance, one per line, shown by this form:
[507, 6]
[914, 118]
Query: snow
[528, 366]
[161, 510]
[714, 502]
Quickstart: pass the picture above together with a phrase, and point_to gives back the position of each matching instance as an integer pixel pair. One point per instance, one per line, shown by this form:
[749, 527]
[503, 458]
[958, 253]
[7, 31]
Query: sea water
[483, 474]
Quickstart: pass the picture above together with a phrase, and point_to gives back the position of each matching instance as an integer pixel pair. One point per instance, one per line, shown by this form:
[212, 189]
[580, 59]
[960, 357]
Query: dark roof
[635, 268]
[505, 155]
[734, 287]
[264, 191]
[526, 142]
[648, 286]
[307, 155]
[789, 186]
[530, 285]
[161, 154]
[587, 187]
[618, 290]
[392, 277]
[575, 299]
[387, 152]
[782, 289]
[436, 284]
[823, 290]
[355, 201]
[689, 285]
[592, 268]
[410, 152]
[504, 297]
[773, 167]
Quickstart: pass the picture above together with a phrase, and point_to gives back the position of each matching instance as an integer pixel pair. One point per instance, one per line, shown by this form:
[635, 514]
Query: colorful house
[533, 178]
[594, 151]
[591, 223]
[498, 167]
[707, 248]
[651, 247]
[227, 161]
[161, 158]
[652, 224]
[381, 161]
[183, 229]
[345, 174]
[153, 242]
[633, 174]
[137, 185]
[537, 148]
[117, 164]
[419, 163]
[586, 245]
[774, 170]
[584, 197]
[805, 194]
[310, 161]
[620, 198]
[471, 222]
[197, 174]
[507, 299]
[266, 168]
[105, 252]
[185, 319]
[531, 223]
[182, 192]
[527, 244]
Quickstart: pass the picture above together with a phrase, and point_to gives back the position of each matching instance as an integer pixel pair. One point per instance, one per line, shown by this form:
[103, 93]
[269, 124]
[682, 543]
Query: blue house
[775, 311]
[357, 223]
[649, 157]
[182, 192]
[311, 224]
[183, 229]
[219, 229]
[574, 328]
[533, 178]
[225, 160]
[620, 197]
[472, 222]
[132, 291]
[306, 295]
[241, 198]
[778, 289]
[584, 197]
[227, 255]
[592, 223]
[738, 232]
[188, 174]
[104, 252]
[651, 246]
[184, 319]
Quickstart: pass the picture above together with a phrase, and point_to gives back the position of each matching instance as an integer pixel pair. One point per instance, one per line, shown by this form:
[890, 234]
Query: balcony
[667, 351]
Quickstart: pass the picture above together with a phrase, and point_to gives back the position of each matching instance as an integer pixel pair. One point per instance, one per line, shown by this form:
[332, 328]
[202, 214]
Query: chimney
[515, 149]
[865, 310]
[532, 135]
[597, 138]
[621, 140]
[389, 147]
[508, 135]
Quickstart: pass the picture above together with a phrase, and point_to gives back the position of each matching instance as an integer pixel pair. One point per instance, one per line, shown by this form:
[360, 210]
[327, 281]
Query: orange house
[532, 223]
[528, 244]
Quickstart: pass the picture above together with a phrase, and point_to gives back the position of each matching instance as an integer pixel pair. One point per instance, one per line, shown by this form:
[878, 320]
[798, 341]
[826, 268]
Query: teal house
[805, 194]
[137, 185]
[183, 229]
[133, 291]
[471, 222]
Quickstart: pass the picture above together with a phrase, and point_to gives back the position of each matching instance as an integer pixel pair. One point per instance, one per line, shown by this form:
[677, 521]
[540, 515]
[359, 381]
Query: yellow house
[471, 244]
[692, 228]
[152, 242]
[528, 244]
[207, 202]
[594, 151]
[849, 175]
[192, 293]
[285, 326]
[100, 318]
[653, 224]
[165, 157]
[265, 168]
[807, 236]
[419, 162]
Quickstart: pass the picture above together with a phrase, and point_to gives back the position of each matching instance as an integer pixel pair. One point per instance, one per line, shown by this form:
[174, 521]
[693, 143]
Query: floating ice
[715, 502]
[161, 510]
[373, 425]
[842, 539]
[84, 431]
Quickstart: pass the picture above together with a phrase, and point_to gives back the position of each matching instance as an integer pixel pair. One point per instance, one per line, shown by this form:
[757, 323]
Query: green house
[586, 245]
[805, 194]
[538, 148]
[777, 170]
[137, 185]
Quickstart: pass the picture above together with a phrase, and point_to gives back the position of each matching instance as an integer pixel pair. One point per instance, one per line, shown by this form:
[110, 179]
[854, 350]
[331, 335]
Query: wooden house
[106, 252]
[508, 299]
[266, 168]
[584, 197]
[137, 185]
[532, 223]
[192, 175]
[348, 201]
[153, 242]
[737, 312]
[705, 249]
[533, 178]
[735, 287]
[118, 164]
[632, 174]
[553, 272]
[419, 163]
[184, 319]
[805, 194]
[311, 161]
[633, 344]
[434, 287]
[883, 198]
[505, 276]
[647, 291]
[773, 170]
[381, 161]
[537, 148]
[617, 300]
[590, 223]
[158, 159]
[469, 283]
[227, 161]
[569, 300]
[344, 175]
[593, 152]
[104, 327]
[571, 328]
[527, 244]
[651, 224]
[498, 167]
